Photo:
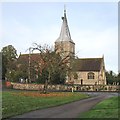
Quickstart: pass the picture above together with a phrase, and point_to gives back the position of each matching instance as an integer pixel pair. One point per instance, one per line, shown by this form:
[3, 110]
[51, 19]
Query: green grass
[106, 109]
[13, 103]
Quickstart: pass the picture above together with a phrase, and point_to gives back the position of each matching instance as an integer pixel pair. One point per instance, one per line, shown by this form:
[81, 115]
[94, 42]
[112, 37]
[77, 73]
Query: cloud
[17, 34]
[22, 36]
[90, 43]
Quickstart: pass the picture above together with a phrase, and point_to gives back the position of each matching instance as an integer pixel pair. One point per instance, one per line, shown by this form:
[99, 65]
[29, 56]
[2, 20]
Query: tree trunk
[46, 83]
[45, 87]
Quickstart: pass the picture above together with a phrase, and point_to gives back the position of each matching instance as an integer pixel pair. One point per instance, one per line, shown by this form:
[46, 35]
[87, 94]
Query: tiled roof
[82, 64]
[87, 64]
[25, 58]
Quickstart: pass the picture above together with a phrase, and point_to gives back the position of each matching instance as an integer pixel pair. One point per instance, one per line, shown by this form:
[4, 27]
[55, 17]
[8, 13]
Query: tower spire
[65, 32]
[64, 45]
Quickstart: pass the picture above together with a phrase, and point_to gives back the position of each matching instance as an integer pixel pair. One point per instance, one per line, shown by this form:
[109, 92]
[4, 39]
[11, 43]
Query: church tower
[64, 45]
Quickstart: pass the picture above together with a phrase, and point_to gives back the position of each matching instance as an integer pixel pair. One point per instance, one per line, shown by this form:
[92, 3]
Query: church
[85, 71]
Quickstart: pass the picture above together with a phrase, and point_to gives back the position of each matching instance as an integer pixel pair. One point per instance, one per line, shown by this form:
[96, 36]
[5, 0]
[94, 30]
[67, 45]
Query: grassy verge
[106, 109]
[14, 103]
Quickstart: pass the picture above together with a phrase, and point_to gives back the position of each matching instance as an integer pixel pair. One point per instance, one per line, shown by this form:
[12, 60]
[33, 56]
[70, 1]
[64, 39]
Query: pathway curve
[70, 110]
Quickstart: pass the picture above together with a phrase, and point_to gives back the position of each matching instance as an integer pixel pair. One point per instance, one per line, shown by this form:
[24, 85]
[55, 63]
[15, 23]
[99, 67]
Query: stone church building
[86, 71]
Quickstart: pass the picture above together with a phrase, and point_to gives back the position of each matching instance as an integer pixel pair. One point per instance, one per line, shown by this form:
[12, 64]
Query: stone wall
[40, 87]
[97, 88]
[66, 87]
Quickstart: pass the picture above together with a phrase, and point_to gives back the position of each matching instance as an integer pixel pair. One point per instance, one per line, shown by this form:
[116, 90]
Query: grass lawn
[18, 102]
[106, 109]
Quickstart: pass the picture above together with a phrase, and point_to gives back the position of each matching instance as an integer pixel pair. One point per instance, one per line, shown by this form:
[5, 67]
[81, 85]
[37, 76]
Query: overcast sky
[93, 27]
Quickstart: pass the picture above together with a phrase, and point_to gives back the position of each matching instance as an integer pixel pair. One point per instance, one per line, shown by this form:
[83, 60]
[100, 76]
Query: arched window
[91, 75]
[75, 75]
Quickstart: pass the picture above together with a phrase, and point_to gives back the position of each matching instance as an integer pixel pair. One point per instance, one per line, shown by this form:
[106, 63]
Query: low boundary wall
[40, 87]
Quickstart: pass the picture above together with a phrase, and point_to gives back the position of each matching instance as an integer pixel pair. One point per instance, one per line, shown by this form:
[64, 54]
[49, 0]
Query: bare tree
[51, 61]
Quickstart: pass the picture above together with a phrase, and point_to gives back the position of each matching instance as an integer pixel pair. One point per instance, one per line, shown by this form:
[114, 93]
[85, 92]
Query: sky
[93, 27]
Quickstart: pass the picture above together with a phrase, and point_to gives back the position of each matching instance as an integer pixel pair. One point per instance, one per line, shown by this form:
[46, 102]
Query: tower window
[91, 75]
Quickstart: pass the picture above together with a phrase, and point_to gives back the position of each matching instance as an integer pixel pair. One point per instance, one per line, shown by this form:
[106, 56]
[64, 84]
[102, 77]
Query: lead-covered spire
[65, 33]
